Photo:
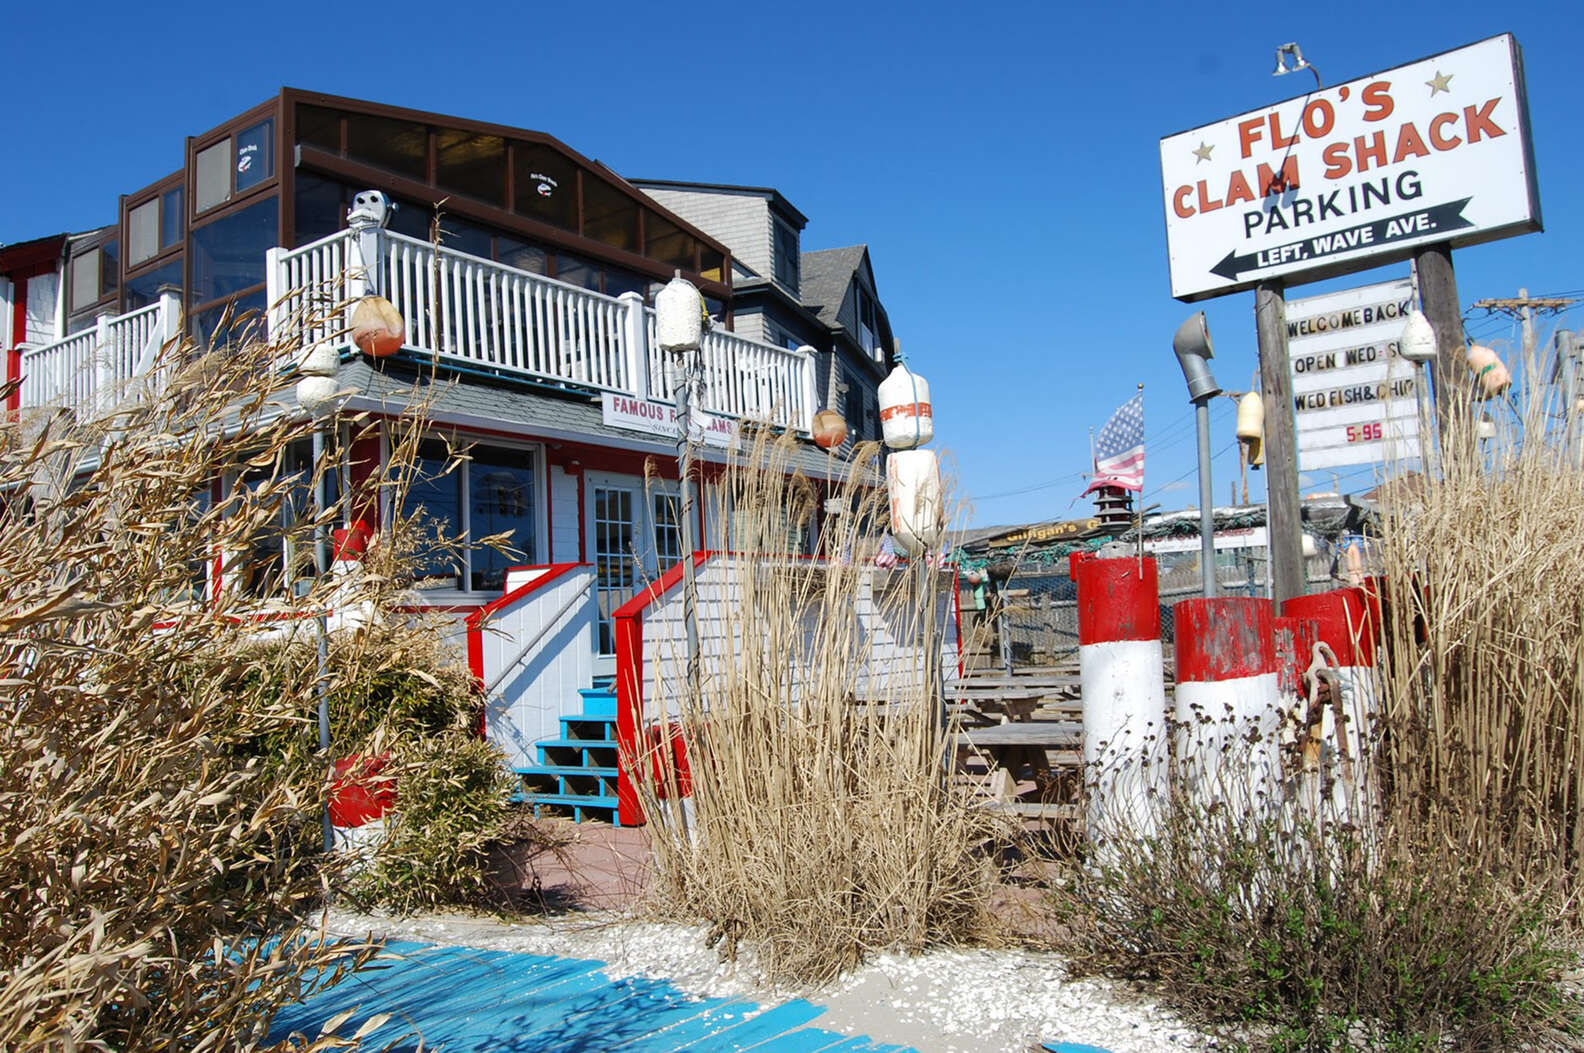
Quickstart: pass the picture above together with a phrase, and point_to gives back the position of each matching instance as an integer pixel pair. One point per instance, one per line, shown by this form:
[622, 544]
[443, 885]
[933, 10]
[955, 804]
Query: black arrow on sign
[1437, 218]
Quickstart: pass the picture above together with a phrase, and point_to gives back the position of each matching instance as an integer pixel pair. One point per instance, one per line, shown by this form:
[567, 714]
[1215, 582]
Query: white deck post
[810, 389]
[104, 365]
[635, 337]
[272, 290]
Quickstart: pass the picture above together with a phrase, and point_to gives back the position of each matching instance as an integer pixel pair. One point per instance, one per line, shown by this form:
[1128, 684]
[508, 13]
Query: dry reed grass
[1445, 917]
[161, 793]
[821, 826]
[1484, 686]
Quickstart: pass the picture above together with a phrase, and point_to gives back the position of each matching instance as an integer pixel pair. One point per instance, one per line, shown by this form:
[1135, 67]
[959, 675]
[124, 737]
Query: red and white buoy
[1228, 705]
[1124, 695]
[1348, 622]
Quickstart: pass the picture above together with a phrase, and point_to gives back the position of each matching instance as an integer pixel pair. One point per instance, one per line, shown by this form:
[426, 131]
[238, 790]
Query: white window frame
[443, 595]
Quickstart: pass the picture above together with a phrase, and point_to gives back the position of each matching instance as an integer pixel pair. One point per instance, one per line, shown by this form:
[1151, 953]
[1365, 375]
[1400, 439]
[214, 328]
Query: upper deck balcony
[467, 314]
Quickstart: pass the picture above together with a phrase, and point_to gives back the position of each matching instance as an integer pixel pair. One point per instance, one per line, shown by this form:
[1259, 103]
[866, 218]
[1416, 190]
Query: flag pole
[1138, 517]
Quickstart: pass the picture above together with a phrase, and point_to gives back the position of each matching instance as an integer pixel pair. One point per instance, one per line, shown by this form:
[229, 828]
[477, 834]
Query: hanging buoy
[830, 429]
[1418, 341]
[1489, 372]
[906, 417]
[914, 484]
[1251, 427]
[378, 329]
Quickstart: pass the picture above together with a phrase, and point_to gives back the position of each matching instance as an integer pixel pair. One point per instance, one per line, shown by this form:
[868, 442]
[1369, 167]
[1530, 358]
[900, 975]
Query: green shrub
[1320, 940]
[452, 808]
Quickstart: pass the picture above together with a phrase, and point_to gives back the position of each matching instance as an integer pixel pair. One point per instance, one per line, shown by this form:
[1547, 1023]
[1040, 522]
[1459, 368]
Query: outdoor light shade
[1192, 345]
[1418, 340]
[679, 316]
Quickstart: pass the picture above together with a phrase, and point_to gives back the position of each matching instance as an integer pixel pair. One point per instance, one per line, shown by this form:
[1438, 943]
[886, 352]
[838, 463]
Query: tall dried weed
[820, 826]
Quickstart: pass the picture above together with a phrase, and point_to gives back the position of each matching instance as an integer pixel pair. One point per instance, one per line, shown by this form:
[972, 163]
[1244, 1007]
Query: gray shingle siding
[741, 222]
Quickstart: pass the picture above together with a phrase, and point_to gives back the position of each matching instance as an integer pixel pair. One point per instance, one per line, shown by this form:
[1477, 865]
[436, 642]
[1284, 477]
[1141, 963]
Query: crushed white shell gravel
[943, 1001]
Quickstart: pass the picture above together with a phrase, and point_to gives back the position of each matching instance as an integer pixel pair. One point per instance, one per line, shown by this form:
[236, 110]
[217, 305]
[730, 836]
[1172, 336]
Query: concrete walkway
[462, 998]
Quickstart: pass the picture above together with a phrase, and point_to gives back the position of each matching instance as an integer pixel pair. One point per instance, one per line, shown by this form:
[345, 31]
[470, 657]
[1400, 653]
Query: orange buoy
[830, 429]
[378, 329]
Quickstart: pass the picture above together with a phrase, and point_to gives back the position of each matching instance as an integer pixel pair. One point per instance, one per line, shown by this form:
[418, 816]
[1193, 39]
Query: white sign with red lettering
[1353, 176]
[659, 418]
[1355, 397]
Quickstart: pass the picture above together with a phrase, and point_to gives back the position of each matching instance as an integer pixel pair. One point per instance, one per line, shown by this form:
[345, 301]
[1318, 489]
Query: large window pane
[546, 185]
[109, 267]
[173, 216]
[213, 329]
[523, 255]
[255, 154]
[501, 496]
[144, 289]
[143, 232]
[712, 264]
[320, 207]
[396, 146]
[609, 215]
[577, 271]
[459, 235]
[319, 127]
[85, 280]
[439, 498]
[474, 165]
[666, 242]
[212, 176]
[228, 254]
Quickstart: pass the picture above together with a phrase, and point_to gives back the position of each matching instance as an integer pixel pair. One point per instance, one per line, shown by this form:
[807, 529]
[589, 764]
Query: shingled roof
[826, 275]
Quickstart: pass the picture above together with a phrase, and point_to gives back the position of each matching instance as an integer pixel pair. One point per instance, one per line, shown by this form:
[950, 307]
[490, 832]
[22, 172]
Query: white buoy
[917, 514]
[906, 416]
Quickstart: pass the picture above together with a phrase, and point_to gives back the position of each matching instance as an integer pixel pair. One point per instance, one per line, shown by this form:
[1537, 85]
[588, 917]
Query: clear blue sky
[1000, 161]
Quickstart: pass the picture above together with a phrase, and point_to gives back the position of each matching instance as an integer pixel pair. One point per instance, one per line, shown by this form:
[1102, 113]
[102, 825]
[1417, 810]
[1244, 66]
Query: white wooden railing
[93, 370]
[477, 314]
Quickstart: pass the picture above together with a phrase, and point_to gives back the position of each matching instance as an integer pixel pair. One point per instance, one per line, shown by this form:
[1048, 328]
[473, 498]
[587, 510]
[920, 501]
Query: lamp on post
[680, 319]
[1192, 346]
[318, 395]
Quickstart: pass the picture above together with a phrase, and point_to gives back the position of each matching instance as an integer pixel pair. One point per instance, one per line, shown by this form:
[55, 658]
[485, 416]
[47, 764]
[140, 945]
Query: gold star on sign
[1203, 152]
[1440, 82]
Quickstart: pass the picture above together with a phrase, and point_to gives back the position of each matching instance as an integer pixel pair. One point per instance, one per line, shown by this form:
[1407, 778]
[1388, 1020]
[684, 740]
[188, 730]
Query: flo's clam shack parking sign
[1353, 176]
[1354, 395]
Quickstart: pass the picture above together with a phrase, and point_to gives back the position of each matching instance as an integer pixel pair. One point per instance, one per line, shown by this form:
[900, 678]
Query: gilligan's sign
[1353, 176]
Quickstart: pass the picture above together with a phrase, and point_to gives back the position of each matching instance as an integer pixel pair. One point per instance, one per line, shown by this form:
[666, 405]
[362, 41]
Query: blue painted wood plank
[697, 1032]
[768, 1024]
[471, 999]
[803, 1040]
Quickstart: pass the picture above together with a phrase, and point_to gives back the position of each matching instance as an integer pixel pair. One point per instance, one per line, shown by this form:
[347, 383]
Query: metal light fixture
[1192, 347]
[1291, 51]
[680, 321]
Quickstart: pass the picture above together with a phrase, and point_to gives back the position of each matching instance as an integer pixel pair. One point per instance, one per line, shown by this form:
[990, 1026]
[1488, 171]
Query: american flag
[1119, 452]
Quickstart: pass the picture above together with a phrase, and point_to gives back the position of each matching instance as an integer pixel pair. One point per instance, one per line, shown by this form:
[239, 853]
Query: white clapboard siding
[888, 666]
[527, 704]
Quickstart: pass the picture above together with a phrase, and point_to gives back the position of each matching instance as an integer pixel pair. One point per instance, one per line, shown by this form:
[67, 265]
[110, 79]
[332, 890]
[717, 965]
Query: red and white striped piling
[1228, 704]
[1295, 639]
[1348, 622]
[360, 795]
[1124, 694]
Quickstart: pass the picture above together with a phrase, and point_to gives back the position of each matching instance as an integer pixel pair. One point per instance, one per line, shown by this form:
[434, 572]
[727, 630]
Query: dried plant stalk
[821, 825]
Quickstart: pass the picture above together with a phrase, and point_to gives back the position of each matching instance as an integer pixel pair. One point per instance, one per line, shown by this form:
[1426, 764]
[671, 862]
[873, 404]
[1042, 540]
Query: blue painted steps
[576, 773]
